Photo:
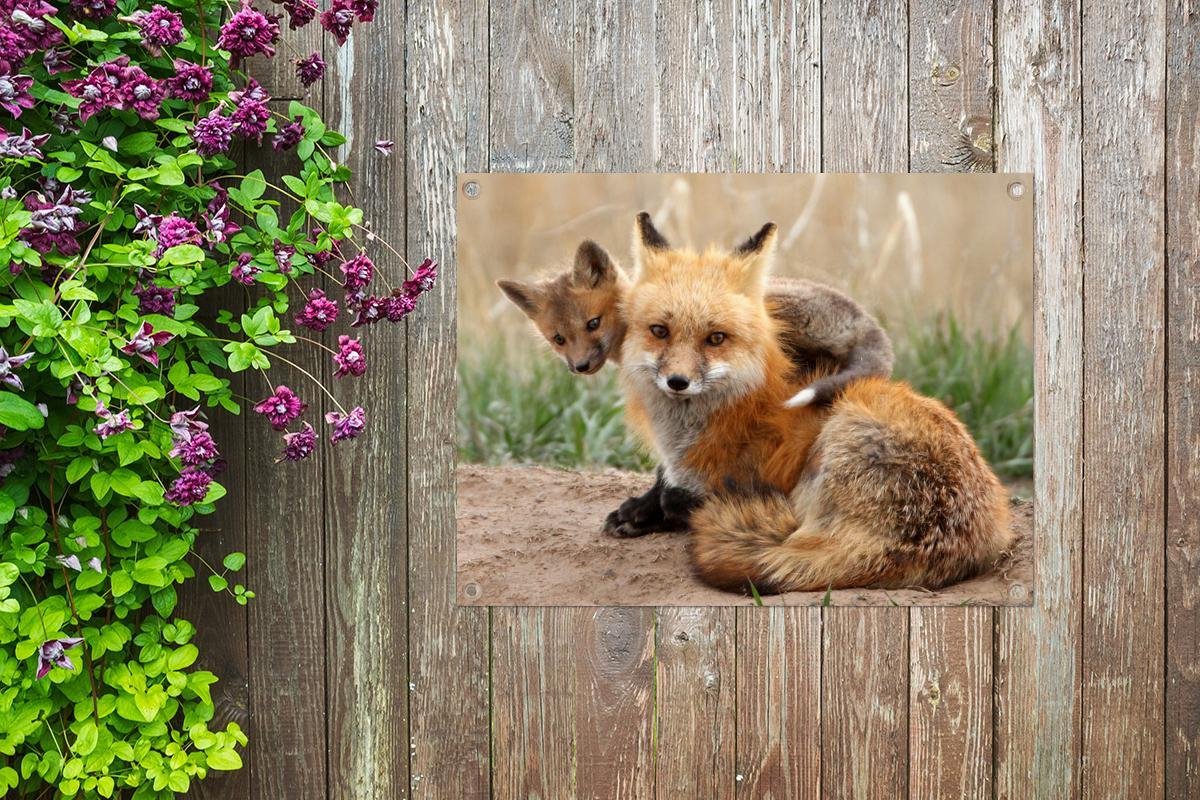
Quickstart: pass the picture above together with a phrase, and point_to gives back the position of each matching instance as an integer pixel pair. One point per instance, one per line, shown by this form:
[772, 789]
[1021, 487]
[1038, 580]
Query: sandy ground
[531, 536]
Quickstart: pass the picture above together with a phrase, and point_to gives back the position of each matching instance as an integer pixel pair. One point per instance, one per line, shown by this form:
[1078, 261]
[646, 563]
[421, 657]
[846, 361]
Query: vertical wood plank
[950, 649]
[1183, 401]
[366, 660]
[594, 665]
[1037, 673]
[285, 556]
[446, 132]
[778, 650]
[1123, 647]
[865, 675]
[950, 87]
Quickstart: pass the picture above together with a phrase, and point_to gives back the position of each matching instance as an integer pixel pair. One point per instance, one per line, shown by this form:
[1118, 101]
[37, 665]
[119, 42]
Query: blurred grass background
[943, 261]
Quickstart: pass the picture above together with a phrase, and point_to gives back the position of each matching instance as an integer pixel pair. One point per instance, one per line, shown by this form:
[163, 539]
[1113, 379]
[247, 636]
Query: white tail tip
[801, 398]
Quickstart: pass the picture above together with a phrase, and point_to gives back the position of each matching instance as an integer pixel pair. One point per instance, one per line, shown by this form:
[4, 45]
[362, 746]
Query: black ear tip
[650, 235]
[756, 242]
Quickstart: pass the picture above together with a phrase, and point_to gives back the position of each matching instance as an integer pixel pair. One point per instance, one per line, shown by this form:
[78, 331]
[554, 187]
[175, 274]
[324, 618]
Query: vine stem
[87, 655]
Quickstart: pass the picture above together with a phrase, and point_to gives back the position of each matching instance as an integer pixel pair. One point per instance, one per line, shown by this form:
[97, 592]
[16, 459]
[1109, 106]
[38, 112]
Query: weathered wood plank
[446, 132]
[366, 658]
[285, 556]
[950, 87]
[779, 703]
[1123, 141]
[532, 92]
[777, 97]
[864, 704]
[1039, 125]
[950, 649]
[1183, 401]
[950, 703]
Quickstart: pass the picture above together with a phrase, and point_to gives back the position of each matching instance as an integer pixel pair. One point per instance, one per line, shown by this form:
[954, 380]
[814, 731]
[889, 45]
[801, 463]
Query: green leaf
[224, 759]
[181, 255]
[19, 414]
[183, 658]
[169, 174]
[86, 738]
[149, 492]
[79, 466]
[217, 583]
[121, 583]
[234, 561]
[8, 507]
[137, 143]
[253, 186]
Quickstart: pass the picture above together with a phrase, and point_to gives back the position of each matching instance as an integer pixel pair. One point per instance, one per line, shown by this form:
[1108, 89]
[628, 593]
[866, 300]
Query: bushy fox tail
[761, 540]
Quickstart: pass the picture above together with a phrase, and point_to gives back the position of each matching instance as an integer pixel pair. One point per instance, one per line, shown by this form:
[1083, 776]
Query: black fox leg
[639, 515]
[677, 507]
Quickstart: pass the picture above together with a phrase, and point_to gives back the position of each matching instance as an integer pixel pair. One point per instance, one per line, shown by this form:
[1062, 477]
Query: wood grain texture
[951, 61]
[446, 133]
[1183, 401]
[950, 703]
[777, 100]
[366, 662]
[779, 703]
[1037, 669]
[531, 102]
[1123, 616]
[864, 705]
[950, 649]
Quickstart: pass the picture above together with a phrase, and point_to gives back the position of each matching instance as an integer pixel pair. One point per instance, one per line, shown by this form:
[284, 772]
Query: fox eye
[593, 323]
[715, 338]
[659, 331]
[559, 340]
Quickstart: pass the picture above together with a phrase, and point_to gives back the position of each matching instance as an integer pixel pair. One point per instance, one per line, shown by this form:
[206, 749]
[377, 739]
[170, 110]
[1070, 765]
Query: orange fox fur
[882, 488]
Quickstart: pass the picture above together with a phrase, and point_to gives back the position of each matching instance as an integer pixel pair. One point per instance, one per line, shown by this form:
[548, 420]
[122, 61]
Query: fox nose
[582, 366]
[677, 383]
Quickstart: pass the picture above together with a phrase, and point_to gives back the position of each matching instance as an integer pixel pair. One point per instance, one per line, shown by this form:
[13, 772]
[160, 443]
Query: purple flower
[299, 445]
[175, 230]
[281, 408]
[384, 147]
[26, 30]
[93, 9]
[422, 280]
[349, 358]
[147, 223]
[14, 93]
[319, 312]
[100, 89]
[213, 134]
[8, 365]
[250, 118]
[160, 27]
[365, 9]
[113, 423]
[155, 299]
[289, 136]
[399, 305]
[190, 487]
[244, 271]
[94, 564]
[301, 12]
[184, 424]
[346, 426]
[283, 256]
[219, 228]
[338, 18]
[55, 221]
[145, 342]
[252, 93]
[141, 93]
[190, 82]
[9, 458]
[249, 32]
[54, 62]
[310, 70]
[70, 562]
[358, 271]
[371, 309]
[196, 449]
[54, 654]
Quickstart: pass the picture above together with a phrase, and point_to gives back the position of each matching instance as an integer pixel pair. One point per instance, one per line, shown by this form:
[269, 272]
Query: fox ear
[753, 258]
[647, 242]
[593, 267]
[525, 296]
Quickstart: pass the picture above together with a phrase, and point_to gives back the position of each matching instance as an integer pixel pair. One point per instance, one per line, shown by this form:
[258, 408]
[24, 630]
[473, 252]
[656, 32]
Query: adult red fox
[826, 336]
[882, 488]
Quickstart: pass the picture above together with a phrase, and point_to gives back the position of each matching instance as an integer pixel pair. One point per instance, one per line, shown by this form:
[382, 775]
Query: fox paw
[617, 526]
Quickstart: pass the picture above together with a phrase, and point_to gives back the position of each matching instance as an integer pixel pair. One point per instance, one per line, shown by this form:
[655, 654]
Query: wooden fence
[357, 676]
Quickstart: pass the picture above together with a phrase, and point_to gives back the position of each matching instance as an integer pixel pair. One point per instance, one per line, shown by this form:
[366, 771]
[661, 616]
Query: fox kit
[882, 487]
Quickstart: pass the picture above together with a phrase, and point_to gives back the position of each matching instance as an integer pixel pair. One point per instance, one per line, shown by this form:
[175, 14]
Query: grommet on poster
[1016, 190]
